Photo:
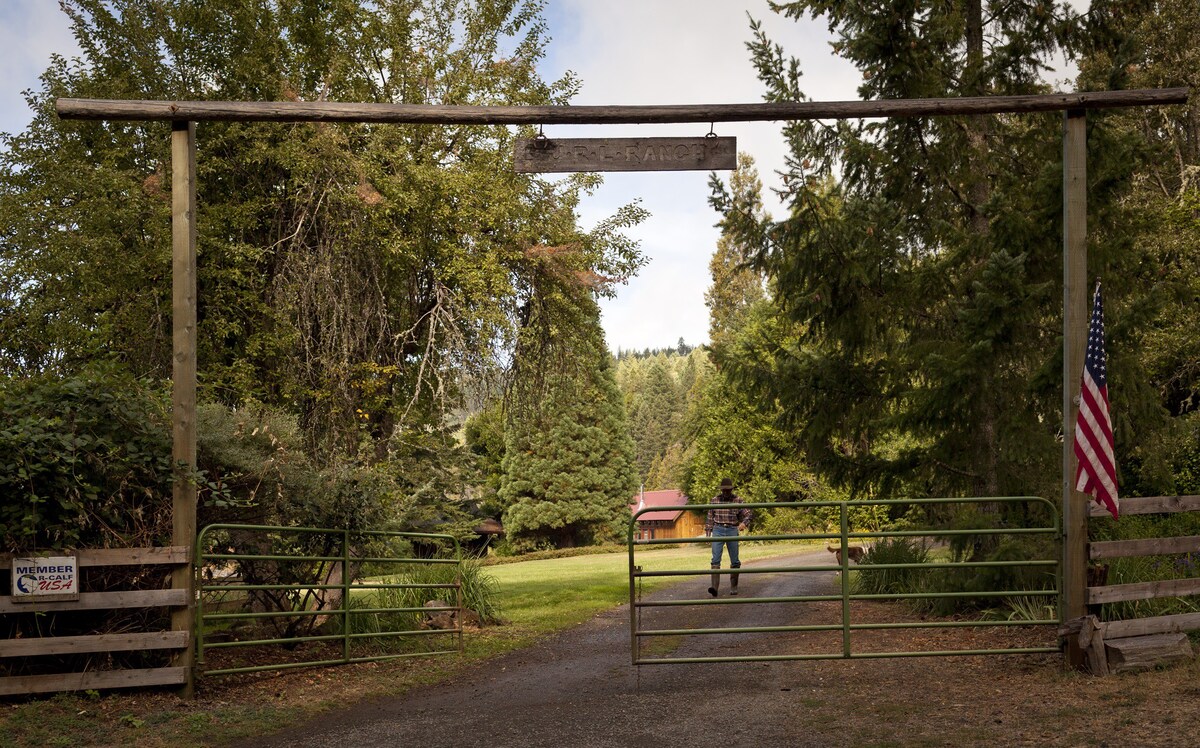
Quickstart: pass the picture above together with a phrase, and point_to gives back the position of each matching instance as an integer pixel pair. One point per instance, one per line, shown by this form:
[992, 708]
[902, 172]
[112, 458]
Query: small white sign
[45, 578]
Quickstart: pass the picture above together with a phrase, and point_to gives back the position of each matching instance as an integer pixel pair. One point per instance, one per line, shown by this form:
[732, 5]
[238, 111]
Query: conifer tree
[735, 285]
[920, 259]
[654, 414]
[1154, 243]
[569, 460]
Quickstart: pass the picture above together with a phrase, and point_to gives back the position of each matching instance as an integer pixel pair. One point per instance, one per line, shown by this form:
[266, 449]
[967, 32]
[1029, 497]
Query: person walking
[723, 524]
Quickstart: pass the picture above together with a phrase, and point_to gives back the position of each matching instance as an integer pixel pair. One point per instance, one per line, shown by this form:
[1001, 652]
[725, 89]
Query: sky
[624, 52]
[677, 52]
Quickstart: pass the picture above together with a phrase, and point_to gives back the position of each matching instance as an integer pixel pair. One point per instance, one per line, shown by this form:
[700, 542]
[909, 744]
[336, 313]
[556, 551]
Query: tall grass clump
[1151, 569]
[870, 581]
[1029, 608]
[480, 593]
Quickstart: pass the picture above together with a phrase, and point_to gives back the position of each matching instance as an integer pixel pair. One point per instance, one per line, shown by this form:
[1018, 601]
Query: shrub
[785, 521]
[85, 461]
[1149, 568]
[892, 581]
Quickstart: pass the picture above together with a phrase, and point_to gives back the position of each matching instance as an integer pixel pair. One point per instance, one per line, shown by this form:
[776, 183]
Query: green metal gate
[1050, 590]
[368, 613]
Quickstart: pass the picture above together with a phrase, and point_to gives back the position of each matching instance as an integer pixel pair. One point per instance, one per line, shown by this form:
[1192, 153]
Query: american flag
[1097, 470]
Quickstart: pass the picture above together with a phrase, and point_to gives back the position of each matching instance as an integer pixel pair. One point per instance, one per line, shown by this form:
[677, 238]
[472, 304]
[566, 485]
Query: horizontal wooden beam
[1144, 547]
[1149, 505]
[1156, 625]
[164, 555]
[23, 684]
[60, 645]
[451, 114]
[101, 601]
[1142, 591]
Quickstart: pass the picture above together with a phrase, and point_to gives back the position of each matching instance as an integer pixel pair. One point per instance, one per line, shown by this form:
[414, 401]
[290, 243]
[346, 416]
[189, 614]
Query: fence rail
[1149, 505]
[847, 626]
[316, 578]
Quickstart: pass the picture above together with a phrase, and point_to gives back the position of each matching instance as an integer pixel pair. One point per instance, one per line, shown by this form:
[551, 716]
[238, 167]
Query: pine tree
[569, 460]
[1152, 300]
[654, 414]
[920, 259]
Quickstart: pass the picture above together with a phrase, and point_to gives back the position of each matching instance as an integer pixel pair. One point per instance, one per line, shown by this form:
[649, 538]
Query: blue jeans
[725, 532]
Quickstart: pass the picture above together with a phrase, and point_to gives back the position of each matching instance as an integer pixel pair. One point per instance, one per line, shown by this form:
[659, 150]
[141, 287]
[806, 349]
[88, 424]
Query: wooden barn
[672, 521]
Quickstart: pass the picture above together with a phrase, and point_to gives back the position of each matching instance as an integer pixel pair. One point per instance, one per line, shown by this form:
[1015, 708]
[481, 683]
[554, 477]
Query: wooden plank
[163, 555]
[623, 154]
[1150, 505]
[330, 111]
[1143, 590]
[1156, 625]
[1144, 547]
[1091, 641]
[1147, 652]
[24, 684]
[102, 601]
[1075, 322]
[58, 645]
[183, 374]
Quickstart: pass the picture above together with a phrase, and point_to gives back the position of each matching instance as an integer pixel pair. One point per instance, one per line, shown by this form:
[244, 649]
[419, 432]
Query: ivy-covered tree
[484, 434]
[352, 274]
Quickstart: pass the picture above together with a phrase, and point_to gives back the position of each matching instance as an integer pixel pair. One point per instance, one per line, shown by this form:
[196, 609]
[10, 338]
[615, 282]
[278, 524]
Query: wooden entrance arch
[185, 114]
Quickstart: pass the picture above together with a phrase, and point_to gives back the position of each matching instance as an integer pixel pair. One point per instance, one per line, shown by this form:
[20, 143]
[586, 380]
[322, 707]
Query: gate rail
[345, 610]
[844, 536]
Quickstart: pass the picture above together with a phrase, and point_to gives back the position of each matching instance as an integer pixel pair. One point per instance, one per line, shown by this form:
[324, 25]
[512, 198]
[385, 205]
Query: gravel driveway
[578, 689]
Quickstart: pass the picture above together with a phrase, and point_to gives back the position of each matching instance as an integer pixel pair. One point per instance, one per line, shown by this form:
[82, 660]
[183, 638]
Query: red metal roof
[669, 498]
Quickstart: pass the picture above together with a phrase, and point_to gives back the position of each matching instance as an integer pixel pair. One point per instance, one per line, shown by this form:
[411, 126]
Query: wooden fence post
[183, 399]
[1075, 508]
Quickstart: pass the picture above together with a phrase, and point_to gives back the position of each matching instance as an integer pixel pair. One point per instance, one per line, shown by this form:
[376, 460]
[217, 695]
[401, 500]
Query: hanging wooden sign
[624, 154]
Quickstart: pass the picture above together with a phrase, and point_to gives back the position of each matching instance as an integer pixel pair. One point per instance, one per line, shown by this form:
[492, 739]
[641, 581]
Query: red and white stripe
[1097, 472]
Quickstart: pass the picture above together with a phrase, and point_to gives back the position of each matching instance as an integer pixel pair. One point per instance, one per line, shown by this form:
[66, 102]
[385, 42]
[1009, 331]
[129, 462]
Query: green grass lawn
[552, 594]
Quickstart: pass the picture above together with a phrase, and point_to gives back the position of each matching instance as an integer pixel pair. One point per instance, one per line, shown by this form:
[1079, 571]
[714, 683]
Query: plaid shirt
[727, 516]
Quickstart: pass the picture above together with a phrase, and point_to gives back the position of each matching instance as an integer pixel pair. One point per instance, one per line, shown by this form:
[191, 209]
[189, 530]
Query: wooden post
[183, 375]
[1075, 508]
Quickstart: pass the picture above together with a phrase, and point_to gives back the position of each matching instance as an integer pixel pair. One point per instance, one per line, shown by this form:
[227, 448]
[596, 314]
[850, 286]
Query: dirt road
[578, 690]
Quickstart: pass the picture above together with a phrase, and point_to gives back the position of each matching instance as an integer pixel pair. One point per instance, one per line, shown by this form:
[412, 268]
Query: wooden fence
[174, 556]
[1108, 639]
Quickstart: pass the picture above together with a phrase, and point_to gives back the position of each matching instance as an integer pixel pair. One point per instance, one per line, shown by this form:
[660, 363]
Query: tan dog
[855, 552]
